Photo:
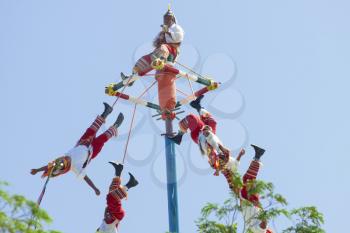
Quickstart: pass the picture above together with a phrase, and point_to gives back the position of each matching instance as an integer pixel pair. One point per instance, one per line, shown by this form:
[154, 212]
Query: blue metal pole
[173, 212]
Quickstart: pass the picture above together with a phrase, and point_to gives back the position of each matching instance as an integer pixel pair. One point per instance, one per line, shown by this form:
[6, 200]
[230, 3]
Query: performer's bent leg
[90, 133]
[228, 170]
[190, 122]
[248, 177]
[229, 178]
[98, 143]
[205, 116]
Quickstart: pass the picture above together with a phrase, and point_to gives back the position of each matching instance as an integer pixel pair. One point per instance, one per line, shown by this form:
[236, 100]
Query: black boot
[119, 120]
[132, 182]
[258, 152]
[118, 168]
[107, 111]
[196, 104]
[177, 138]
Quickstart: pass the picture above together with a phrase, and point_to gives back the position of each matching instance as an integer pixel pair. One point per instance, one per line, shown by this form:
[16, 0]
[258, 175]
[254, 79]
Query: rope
[132, 121]
[40, 198]
[188, 68]
[129, 133]
[189, 82]
[127, 84]
[147, 89]
[43, 190]
[182, 92]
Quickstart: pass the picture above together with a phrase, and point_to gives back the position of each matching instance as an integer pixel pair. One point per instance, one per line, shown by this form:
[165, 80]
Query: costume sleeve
[82, 174]
[161, 52]
[79, 172]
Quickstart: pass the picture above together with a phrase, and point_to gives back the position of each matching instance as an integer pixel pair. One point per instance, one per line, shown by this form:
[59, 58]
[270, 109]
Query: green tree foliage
[307, 220]
[225, 218]
[17, 214]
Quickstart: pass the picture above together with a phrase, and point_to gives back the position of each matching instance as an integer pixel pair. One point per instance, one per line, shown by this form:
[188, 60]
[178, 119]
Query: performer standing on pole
[166, 50]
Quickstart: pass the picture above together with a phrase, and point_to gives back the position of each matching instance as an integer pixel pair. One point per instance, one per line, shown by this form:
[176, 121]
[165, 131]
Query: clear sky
[285, 66]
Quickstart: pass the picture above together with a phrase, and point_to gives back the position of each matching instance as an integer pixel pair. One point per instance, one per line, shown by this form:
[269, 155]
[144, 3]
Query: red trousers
[195, 124]
[89, 137]
[249, 176]
[114, 209]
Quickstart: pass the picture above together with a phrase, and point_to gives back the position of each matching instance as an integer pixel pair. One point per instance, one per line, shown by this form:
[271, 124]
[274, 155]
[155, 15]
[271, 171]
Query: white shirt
[250, 215]
[232, 164]
[212, 140]
[108, 228]
[78, 156]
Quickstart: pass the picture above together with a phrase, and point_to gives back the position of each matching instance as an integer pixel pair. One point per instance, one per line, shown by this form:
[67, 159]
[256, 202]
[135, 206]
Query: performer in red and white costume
[203, 132]
[166, 50]
[87, 148]
[253, 208]
[114, 211]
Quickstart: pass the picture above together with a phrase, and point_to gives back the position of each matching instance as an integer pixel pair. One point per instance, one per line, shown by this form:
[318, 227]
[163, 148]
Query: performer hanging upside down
[114, 212]
[87, 148]
[253, 208]
[203, 132]
[203, 129]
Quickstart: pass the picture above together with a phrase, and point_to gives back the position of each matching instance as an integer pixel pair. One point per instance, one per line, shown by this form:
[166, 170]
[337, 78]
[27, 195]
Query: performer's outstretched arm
[224, 149]
[92, 185]
[41, 169]
[240, 154]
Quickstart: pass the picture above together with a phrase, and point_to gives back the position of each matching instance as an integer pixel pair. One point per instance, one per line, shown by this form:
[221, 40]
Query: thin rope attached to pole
[189, 82]
[129, 133]
[132, 121]
[182, 92]
[188, 68]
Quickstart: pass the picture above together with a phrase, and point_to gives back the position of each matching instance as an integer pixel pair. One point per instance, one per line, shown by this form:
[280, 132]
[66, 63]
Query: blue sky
[285, 69]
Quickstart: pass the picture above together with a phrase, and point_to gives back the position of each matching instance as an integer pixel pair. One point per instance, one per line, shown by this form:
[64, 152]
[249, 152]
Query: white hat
[176, 34]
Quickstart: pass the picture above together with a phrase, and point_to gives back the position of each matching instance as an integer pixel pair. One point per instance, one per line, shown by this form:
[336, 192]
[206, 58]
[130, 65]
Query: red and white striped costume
[209, 144]
[87, 148]
[165, 77]
[196, 123]
[251, 212]
[114, 211]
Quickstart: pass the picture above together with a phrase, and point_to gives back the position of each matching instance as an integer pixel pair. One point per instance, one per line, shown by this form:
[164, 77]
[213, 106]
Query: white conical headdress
[176, 34]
